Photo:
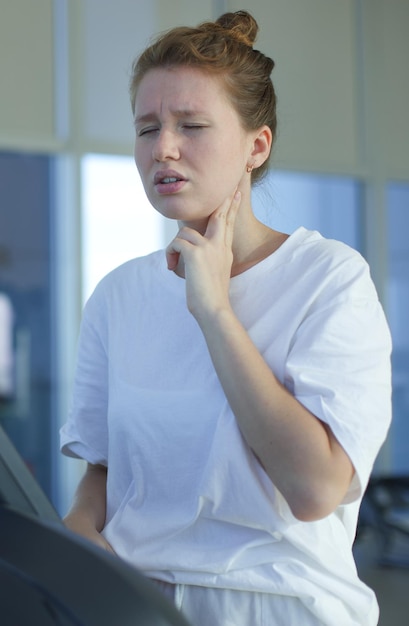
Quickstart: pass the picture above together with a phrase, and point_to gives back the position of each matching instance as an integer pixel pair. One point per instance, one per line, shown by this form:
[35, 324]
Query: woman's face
[190, 149]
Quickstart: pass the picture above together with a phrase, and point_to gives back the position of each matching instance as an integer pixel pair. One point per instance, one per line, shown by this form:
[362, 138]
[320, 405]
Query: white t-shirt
[187, 501]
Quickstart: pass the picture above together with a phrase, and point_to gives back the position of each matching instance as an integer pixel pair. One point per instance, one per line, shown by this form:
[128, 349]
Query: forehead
[187, 88]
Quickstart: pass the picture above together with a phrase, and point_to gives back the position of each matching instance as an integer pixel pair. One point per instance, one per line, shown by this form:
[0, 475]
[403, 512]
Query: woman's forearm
[298, 452]
[89, 504]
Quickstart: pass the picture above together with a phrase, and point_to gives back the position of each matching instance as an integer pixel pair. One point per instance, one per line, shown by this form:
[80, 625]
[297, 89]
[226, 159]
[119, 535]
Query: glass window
[118, 222]
[26, 298]
[6, 348]
[398, 312]
[329, 204]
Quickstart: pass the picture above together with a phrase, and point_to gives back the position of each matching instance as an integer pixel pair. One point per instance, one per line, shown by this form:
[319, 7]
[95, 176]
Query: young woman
[232, 392]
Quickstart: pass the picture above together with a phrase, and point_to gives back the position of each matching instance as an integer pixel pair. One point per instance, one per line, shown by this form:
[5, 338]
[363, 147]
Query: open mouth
[168, 182]
[169, 179]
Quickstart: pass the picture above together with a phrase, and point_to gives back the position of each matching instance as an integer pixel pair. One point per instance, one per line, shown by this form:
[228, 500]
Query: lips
[168, 182]
[167, 177]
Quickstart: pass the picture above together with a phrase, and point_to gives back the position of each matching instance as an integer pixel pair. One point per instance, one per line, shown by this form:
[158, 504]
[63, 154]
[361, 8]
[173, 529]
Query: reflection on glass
[118, 222]
[329, 204]
[398, 315]
[6, 348]
[26, 269]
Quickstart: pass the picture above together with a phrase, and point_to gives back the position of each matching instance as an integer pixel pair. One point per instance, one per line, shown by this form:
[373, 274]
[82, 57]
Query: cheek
[142, 169]
[137, 160]
[142, 165]
[231, 169]
[235, 154]
[137, 156]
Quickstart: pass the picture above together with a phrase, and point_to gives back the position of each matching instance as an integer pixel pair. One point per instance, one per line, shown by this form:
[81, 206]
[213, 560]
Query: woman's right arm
[86, 516]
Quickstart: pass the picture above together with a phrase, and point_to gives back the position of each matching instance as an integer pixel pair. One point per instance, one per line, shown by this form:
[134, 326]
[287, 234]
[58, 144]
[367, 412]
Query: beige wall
[314, 47]
[341, 76]
[26, 73]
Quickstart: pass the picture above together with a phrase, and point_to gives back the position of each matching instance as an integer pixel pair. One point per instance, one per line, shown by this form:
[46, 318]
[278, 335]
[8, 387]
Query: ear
[262, 142]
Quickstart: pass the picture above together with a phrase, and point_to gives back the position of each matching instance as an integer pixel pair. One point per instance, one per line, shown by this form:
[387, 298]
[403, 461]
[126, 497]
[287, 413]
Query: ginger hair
[223, 48]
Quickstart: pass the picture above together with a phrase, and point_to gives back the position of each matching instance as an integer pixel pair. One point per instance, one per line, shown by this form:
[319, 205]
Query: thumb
[172, 259]
[172, 256]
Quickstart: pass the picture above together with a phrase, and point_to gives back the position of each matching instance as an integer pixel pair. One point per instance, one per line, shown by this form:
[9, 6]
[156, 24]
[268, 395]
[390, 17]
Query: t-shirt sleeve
[339, 368]
[84, 435]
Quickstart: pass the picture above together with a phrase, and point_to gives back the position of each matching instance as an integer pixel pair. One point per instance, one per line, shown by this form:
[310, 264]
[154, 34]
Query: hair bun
[241, 26]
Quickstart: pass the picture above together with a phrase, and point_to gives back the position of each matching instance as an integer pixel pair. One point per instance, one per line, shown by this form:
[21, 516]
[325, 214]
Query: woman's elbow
[314, 504]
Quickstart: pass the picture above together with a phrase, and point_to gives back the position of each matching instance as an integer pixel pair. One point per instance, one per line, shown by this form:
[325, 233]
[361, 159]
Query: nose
[166, 146]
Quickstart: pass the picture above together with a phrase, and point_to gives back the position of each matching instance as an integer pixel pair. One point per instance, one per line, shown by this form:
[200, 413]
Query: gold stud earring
[249, 168]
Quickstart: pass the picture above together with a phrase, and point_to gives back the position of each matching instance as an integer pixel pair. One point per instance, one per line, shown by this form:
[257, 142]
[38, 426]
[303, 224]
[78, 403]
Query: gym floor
[391, 582]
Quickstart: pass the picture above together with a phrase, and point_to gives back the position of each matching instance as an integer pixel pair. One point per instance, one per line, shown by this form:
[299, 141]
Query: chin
[182, 212]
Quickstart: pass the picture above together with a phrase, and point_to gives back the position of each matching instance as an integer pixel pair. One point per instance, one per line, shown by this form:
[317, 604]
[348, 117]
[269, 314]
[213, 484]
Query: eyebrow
[180, 113]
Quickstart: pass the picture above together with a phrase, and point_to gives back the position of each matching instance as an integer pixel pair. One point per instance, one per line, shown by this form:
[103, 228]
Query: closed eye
[147, 130]
[193, 126]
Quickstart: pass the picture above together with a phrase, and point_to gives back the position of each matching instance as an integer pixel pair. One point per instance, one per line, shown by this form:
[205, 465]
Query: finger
[183, 240]
[216, 226]
[109, 548]
[231, 218]
[172, 260]
[173, 251]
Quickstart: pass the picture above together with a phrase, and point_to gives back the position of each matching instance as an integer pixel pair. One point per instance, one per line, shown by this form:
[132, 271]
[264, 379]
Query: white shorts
[206, 606]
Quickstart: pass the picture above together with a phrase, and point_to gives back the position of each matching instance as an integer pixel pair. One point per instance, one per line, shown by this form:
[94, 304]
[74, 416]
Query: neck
[253, 241]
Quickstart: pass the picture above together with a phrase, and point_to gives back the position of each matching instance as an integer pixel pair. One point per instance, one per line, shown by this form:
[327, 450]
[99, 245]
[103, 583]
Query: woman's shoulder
[328, 265]
[141, 268]
[129, 278]
[311, 243]
[317, 254]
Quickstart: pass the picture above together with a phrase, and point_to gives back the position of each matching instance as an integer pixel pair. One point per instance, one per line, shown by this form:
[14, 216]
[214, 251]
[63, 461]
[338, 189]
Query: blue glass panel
[398, 315]
[25, 269]
[329, 204]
